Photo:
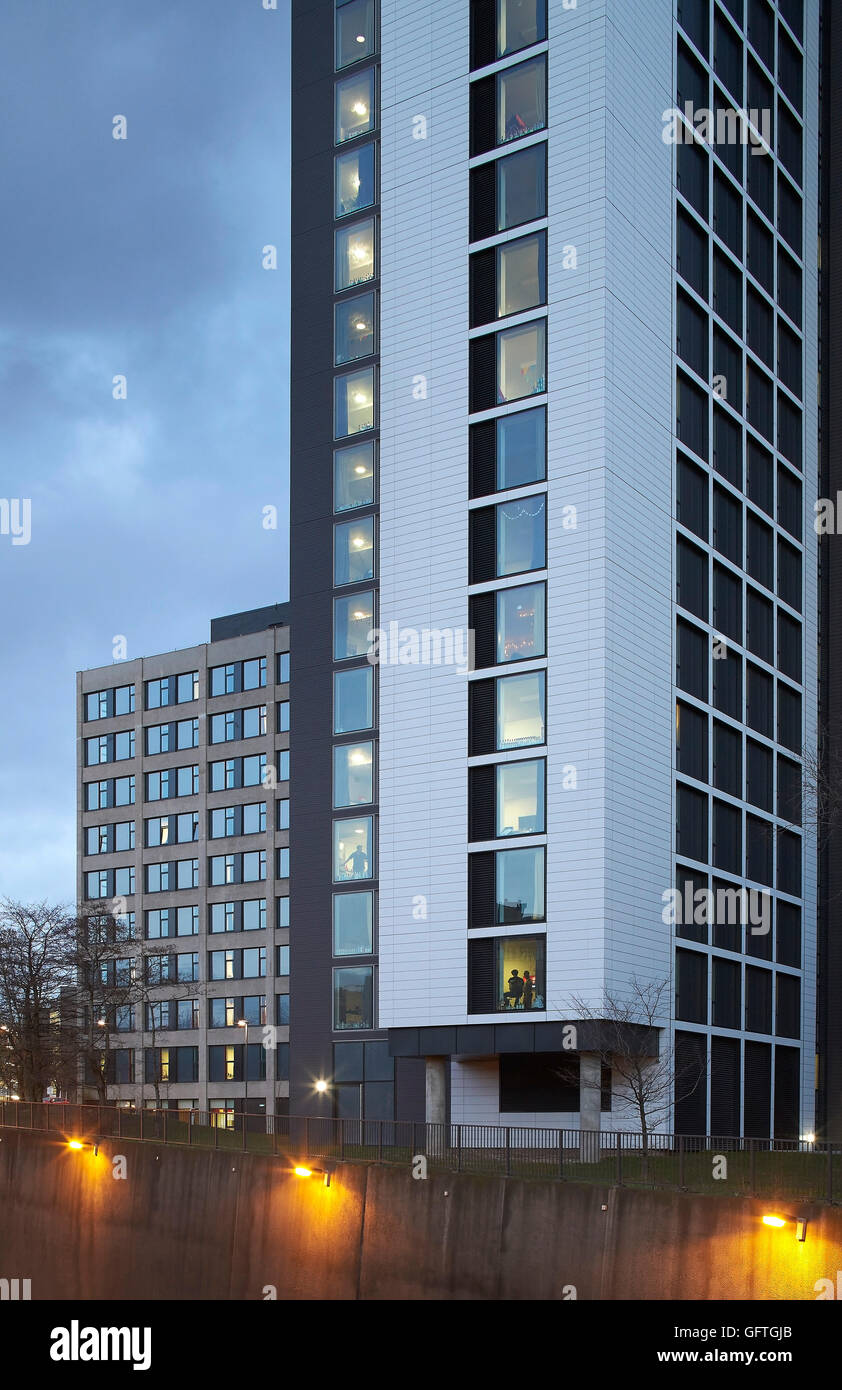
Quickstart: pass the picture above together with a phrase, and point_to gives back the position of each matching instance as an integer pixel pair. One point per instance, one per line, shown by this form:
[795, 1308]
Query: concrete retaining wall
[199, 1224]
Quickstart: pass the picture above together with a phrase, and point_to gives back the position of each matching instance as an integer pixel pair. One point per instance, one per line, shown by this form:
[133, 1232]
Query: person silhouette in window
[356, 865]
[528, 989]
[515, 989]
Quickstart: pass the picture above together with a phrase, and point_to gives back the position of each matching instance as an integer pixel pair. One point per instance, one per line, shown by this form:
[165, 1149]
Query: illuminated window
[354, 254]
[354, 106]
[521, 622]
[354, 403]
[353, 551]
[352, 846]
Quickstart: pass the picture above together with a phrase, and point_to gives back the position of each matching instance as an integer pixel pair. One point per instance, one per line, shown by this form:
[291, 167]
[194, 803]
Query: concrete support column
[590, 1082]
[436, 1090]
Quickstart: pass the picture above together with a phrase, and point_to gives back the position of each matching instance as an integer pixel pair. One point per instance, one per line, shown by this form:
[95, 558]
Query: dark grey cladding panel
[254, 620]
[514, 1037]
[404, 1042]
[489, 1040]
[477, 1038]
[437, 1042]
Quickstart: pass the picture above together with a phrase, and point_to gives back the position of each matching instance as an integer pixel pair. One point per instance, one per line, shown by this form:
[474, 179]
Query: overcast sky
[139, 257]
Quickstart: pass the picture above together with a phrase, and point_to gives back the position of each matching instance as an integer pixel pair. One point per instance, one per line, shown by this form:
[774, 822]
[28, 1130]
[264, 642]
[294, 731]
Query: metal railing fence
[720, 1165]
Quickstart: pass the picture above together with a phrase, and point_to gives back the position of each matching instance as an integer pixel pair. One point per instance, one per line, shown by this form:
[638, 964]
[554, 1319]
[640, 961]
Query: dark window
[727, 759]
[761, 100]
[789, 430]
[727, 851]
[760, 326]
[758, 1000]
[789, 214]
[789, 863]
[789, 790]
[727, 525]
[789, 358]
[727, 369]
[760, 552]
[760, 182]
[692, 415]
[728, 56]
[759, 400]
[727, 681]
[787, 1005]
[761, 250]
[725, 1004]
[759, 850]
[728, 291]
[757, 1090]
[760, 479]
[692, 497]
[724, 1086]
[728, 911]
[727, 213]
[789, 646]
[789, 502]
[691, 334]
[544, 1082]
[691, 986]
[787, 1092]
[691, 741]
[728, 132]
[692, 175]
[690, 1083]
[692, 252]
[793, 13]
[760, 636]
[789, 718]
[759, 694]
[759, 775]
[789, 574]
[761, 31]
[727, 603]
[691, 663]
[789, 286]
[727, 446]
[691, 824]
[691, 916]
[691, 79]
[694, 18]
[691, 578]
[787, 934]
[790, 151]
[508, 192]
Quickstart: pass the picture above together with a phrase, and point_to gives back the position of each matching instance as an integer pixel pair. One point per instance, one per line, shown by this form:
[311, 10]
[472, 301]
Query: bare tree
[34, 970]
[105, 987]
[644, 1085]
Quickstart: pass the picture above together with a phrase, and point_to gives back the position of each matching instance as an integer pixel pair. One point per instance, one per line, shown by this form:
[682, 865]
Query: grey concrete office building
[183, 814]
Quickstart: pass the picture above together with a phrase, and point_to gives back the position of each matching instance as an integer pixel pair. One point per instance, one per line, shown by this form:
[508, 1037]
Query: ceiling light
[359, 108]
[361, 470]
